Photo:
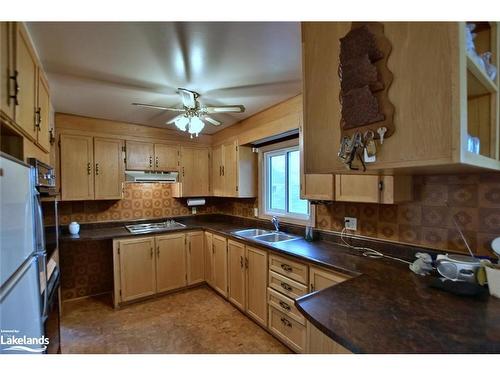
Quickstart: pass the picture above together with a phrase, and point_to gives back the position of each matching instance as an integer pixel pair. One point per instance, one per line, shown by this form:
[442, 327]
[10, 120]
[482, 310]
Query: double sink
[265, 236]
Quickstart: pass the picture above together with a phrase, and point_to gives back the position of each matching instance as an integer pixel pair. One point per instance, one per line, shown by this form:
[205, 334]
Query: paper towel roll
[196, 202]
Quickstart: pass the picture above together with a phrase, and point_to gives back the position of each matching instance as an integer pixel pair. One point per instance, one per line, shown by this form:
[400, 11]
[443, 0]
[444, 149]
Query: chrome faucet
[276, 223]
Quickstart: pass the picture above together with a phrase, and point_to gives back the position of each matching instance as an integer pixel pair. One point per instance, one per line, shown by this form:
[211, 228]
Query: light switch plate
[351, 223]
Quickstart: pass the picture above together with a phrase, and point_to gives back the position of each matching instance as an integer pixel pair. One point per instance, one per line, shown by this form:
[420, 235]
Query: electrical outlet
[193, 210]
[255, 212]
[351, 223]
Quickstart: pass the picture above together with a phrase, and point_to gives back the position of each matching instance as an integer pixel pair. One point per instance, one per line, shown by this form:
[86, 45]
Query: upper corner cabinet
[444, 97]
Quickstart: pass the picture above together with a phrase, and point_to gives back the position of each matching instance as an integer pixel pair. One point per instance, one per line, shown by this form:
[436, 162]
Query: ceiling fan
[193, 113]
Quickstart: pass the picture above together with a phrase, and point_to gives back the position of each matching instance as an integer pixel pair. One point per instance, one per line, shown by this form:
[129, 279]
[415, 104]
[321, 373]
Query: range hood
[139, 176]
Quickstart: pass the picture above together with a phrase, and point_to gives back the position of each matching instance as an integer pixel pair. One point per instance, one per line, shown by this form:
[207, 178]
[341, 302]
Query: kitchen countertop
[384, 308]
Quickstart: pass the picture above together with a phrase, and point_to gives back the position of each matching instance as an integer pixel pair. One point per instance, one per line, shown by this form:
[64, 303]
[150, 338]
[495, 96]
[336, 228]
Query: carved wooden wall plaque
[365, 80]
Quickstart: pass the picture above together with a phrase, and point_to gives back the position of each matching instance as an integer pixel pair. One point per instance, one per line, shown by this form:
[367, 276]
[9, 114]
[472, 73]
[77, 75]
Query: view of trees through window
[284, 183]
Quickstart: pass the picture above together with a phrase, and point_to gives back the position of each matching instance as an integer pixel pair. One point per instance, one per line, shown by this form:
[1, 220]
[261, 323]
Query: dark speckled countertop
[384, 308]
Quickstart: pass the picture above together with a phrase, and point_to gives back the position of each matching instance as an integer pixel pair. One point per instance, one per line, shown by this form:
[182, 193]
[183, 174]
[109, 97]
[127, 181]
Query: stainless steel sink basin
[275, 237]
[250, 233]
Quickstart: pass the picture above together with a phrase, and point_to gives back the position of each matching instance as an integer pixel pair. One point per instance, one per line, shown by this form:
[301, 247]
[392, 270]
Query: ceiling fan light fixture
[181, 123]
[196, 125]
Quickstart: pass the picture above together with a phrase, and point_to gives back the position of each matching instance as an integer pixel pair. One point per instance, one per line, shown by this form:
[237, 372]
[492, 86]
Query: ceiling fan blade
[188, 98]
[159, 107]
[226, 109]
[212, 121]
[171, 121]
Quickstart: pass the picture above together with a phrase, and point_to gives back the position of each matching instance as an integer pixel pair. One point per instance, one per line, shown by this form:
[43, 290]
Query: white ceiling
[99, 69]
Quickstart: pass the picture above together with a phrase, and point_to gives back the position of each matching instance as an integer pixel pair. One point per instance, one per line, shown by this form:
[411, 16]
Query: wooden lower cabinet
[219, 248]
[137, 276]
[256, 284]
[321, 279]
[288, 330]
[171, 262]
[209, 261]
[195, 258]
[236, 273]
[319, 343]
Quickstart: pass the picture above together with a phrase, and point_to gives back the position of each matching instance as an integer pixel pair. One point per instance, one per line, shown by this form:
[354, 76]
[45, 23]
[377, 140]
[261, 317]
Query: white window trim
[284, 217]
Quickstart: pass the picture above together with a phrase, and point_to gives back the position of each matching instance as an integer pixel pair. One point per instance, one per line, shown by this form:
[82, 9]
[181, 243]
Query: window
[281, 184]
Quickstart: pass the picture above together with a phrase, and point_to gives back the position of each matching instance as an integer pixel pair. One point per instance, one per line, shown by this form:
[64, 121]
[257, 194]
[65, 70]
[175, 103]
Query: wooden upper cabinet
[140, 156]
[77, 167]
[26, 68]
[234, 171]
[194, 173]
[43, 112]
[166, 157]
[217, 178]
[432, 93]
[6, 68]
[195, 258]
[137, 268]
[171, 262]
[373, 189]
[317, 187]
[230, 169]
[108, 168]
[236, 273]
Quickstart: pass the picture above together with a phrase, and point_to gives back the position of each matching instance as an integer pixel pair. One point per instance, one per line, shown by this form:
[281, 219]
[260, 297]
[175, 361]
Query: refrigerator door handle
[39, 231]
[42, 261]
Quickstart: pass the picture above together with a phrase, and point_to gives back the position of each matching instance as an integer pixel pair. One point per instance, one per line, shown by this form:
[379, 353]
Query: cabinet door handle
[89, 168]
[246, 262]
[286, 322]
[286, 286]
[158, 251]
[223, 171]
[284, 305]
[220, 170]
[286, 268]
[312, 287]
[241, 261]
[150, 162]
[213, 249]
[151, 252]
[183, 172]
[156, 162]
[14, 96]
[189, 247]
[38, 118]
[97, 169]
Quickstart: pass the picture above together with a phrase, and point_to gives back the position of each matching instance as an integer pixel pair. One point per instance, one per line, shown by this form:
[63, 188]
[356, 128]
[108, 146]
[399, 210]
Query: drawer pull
[284, 305]
[241, 261]
[286, 322]
[286, 267]
[286, 286]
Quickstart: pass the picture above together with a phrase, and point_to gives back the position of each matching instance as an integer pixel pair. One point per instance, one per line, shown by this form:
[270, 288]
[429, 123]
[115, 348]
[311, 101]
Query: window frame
[265, 212]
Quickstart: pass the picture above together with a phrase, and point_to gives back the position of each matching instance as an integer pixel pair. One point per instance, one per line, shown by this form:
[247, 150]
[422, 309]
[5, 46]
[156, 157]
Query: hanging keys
[370, 148]
[381, 132]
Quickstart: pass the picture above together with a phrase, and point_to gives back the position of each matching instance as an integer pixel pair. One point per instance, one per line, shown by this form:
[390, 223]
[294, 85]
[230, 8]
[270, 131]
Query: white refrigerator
[22, 261]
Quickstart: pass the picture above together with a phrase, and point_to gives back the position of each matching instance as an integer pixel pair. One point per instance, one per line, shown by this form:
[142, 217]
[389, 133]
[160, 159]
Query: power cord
[367, 252]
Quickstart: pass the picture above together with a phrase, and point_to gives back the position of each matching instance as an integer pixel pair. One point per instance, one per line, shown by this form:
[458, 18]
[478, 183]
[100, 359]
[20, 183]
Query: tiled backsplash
[473, 198]
[140, 201]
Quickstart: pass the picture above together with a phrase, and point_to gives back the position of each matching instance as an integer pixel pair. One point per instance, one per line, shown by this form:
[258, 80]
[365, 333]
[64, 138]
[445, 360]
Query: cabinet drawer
[286, 286]
[284, 304]
[287, 329]
[289, 268]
